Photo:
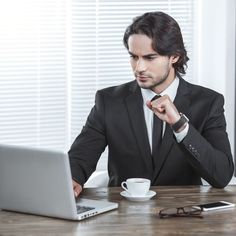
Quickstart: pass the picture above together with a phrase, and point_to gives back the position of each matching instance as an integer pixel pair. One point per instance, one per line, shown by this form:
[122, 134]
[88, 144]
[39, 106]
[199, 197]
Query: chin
[146, 86]
[143, 85]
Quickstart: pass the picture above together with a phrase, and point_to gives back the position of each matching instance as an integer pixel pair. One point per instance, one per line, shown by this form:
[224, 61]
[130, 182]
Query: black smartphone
[215, 205]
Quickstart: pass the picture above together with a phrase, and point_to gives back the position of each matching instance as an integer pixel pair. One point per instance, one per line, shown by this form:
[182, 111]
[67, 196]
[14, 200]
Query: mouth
[142, 78]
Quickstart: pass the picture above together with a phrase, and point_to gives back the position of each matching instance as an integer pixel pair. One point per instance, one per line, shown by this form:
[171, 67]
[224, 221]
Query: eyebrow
[148, 55]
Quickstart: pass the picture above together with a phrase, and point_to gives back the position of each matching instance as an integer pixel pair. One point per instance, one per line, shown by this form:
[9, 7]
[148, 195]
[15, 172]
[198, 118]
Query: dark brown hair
[165, 34]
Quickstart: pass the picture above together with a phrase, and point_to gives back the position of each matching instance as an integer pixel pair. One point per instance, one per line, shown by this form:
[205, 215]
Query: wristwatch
[183, 120]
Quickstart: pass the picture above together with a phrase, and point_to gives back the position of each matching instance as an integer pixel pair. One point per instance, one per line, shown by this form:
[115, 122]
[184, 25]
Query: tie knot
[155, 97]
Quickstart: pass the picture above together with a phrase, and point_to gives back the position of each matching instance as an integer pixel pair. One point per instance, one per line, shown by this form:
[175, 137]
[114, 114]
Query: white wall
[215, 56]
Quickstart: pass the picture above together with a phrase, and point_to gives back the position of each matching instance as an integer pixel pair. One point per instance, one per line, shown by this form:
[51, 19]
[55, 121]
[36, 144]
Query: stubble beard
[158, 83]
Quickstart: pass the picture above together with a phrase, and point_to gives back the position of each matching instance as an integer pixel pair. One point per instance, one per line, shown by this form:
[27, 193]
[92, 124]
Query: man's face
[151, 70]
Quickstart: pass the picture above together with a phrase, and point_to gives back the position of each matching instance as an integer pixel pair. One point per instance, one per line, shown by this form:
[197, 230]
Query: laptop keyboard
[81, 209]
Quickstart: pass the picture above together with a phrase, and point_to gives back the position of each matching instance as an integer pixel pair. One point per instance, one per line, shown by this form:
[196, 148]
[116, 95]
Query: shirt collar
[171, 91]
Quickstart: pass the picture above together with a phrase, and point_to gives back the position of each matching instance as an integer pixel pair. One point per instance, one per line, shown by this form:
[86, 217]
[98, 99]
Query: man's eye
[133, 57]
[150, 58]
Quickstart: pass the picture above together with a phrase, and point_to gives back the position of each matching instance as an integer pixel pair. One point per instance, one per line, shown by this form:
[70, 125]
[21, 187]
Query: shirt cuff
[182, 134]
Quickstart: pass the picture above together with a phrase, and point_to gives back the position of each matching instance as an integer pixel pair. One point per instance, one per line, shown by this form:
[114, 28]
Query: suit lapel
[182, 104]
[134, 104]
[182, 100]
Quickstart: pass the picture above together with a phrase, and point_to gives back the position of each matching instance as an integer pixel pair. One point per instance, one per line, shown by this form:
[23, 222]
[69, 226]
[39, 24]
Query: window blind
[33, 73]
[99, 58]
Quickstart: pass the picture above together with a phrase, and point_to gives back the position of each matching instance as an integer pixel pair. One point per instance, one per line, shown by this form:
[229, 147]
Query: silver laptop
[38, 181]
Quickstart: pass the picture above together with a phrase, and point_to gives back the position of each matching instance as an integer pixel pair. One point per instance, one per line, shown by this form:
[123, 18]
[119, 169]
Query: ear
[174, 59]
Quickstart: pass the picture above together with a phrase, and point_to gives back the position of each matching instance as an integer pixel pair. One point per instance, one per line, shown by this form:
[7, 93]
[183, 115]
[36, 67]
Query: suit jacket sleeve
[209, 151]
[89, 145]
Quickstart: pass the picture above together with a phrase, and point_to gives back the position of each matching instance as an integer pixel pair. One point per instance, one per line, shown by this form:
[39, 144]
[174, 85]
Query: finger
[152, 105]
[149, 104]
[161, 110]
[158, 108]
[76, 194]
[77, 188]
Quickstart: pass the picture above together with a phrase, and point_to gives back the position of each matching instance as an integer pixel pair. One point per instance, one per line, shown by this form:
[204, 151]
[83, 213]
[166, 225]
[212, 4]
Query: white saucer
[149, 195]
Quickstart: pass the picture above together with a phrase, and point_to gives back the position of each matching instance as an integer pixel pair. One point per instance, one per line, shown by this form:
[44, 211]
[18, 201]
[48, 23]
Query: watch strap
[183, 120]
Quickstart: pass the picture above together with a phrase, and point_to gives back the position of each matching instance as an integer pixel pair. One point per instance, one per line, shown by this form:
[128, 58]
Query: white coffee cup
[136, 187]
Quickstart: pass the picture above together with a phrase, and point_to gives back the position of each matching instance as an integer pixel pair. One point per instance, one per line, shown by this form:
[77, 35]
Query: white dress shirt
[148, 114]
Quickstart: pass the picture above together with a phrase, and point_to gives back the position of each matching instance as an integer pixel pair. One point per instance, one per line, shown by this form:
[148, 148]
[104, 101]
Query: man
[192, 142]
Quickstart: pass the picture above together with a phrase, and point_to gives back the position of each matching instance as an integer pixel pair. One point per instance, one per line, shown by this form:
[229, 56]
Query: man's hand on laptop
[77, 188]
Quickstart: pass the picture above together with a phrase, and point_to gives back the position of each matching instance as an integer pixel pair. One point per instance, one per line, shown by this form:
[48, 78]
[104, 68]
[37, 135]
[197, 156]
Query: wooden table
[134, 218]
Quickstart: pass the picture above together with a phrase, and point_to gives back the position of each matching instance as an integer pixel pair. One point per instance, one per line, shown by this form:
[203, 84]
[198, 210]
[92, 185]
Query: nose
[140, 66]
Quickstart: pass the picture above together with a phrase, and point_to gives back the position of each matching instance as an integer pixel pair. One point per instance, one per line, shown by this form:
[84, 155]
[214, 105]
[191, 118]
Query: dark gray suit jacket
[117, 120]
